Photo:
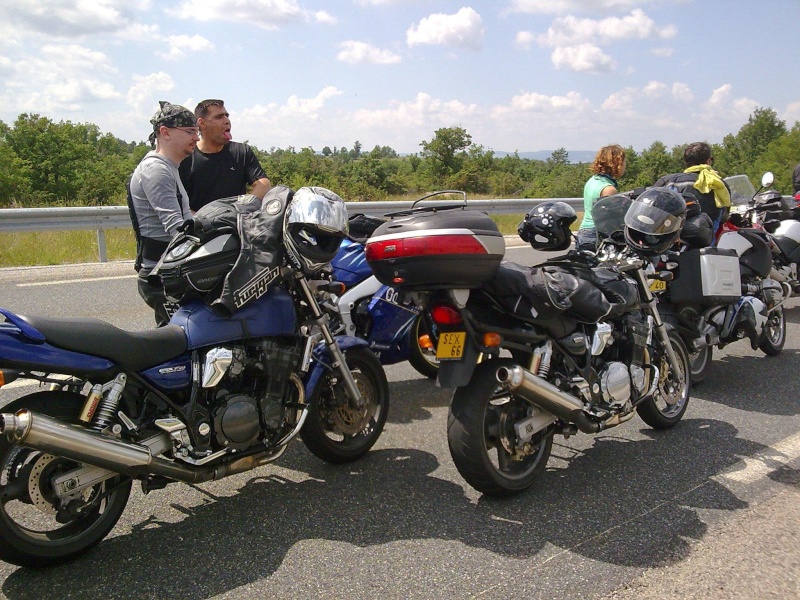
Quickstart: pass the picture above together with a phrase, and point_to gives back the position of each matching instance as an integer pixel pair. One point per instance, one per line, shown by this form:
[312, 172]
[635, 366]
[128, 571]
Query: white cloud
[267, 14]
[524, 39]
[360, 52]
[142, 95]
[576, 42]
[571, 30]
[555, 7]
[181, 45]
[69, 18]
[663, 52]
[682, 92]
[535, 102]
[791, 114]
[461, 30]
[584, 58]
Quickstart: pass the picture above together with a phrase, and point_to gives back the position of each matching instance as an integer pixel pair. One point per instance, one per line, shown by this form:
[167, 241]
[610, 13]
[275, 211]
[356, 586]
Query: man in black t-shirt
[220, 168]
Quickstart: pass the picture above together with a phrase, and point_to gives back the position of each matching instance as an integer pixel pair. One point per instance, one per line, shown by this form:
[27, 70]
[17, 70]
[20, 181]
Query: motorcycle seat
[134, 350]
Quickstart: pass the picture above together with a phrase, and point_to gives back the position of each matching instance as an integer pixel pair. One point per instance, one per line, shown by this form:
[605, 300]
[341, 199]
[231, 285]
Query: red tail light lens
[444, 314]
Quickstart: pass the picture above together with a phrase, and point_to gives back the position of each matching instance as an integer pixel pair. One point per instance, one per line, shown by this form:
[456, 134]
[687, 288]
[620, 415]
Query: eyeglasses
[192, 131]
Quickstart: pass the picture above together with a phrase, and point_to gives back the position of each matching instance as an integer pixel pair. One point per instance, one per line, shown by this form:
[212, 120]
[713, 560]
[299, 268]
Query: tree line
[48, 163]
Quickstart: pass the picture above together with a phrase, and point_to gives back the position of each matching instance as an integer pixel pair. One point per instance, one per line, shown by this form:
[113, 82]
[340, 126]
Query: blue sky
[524, 75]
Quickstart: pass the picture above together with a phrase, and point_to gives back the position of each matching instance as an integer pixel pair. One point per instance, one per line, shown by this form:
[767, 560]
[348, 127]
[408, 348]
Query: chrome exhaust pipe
[46, 434]
[546, 396]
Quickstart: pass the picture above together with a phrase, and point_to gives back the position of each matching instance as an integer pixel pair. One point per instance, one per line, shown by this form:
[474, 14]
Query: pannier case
[437, 249]
[707, 276]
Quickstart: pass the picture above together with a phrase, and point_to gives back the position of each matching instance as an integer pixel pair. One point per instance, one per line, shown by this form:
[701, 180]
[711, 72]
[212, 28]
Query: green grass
[69, 247]
[63, 247]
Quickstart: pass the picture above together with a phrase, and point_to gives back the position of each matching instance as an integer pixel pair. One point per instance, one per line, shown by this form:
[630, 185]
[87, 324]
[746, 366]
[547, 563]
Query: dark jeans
[586, 239]
[155, 298]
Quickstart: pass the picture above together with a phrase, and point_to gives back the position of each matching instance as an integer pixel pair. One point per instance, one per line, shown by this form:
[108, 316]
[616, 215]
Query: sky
[517, 75]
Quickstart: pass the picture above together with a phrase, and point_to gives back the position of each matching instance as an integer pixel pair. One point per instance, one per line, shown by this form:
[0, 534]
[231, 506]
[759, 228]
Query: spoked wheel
[335, 431]
[671, 398]
[773, 336]
[422, 359]
[483, 441]
[37, 527]
[701, 363]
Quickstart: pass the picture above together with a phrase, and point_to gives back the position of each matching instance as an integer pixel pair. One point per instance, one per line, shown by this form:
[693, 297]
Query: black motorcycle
[573, 344]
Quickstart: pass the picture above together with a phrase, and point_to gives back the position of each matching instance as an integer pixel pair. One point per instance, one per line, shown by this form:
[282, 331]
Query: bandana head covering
[171, 115]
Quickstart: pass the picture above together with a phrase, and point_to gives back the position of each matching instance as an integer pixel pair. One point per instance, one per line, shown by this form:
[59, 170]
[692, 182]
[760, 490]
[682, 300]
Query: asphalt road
[706, 510]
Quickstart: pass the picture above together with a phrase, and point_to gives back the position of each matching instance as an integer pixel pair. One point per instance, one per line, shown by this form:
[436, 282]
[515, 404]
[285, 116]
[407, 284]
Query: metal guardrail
[102, 218]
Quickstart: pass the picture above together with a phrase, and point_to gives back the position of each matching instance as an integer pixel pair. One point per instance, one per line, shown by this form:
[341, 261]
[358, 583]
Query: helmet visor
[320, 212]
[650, 220]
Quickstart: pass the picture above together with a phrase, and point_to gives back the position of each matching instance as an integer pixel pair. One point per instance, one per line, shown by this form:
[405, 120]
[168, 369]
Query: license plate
[451, 345]
[658, 286]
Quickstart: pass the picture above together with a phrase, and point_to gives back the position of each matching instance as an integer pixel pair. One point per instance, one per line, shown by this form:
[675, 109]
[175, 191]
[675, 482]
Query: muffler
[546, 396]
[40, 432]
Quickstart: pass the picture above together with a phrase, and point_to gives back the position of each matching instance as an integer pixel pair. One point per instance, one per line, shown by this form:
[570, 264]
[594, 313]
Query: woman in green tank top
[608, 166]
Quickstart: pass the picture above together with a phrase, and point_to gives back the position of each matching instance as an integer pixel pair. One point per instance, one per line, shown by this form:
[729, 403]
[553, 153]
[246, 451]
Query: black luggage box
[435, 249]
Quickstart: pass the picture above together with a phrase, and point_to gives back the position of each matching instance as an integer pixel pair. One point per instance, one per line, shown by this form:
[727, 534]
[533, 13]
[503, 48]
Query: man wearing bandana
[157, 200]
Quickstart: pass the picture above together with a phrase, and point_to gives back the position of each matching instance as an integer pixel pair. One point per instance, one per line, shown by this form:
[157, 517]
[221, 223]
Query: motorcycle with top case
[205, 397]
[588, 348]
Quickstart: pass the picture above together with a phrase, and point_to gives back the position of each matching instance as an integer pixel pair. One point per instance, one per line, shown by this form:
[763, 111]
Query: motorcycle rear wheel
[480, 427]
[701, 363]
[773, 337]
[669, 402]
[337, 433]
[32, 534]
[424, 361]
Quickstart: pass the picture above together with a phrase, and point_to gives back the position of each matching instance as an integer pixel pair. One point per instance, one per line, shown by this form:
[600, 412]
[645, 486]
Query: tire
[701, 364]
[669, 402]
[424, 361]
[773, 337]
[333, 431]
[30, 535]
[481, 418]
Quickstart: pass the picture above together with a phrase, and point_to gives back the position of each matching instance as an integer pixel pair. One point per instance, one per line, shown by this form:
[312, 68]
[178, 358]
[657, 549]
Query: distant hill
[575, 156]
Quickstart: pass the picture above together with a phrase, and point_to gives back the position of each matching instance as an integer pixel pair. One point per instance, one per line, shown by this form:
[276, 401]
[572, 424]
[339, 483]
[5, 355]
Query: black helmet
[313, 228]
[654, 220]
[546, 226]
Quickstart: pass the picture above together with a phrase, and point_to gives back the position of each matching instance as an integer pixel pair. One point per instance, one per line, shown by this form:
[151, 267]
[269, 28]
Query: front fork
[648, 302]
[321, 321]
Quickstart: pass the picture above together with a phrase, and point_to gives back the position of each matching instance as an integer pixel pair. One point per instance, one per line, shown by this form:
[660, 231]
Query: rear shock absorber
[102, 402]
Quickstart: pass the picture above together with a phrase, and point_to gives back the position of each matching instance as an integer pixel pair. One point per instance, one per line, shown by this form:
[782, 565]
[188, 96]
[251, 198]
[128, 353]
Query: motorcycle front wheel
[36, 529]
[773, 337]
[483, 440]
[423, 360]
[669, 402]
[335, 431]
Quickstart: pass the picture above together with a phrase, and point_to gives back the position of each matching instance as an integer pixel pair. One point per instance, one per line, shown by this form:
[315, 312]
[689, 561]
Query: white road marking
[761, 464]
[62, 281]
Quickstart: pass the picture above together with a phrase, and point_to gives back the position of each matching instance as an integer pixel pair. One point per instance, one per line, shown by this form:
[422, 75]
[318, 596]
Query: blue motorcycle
[393, 326]
[205, 397]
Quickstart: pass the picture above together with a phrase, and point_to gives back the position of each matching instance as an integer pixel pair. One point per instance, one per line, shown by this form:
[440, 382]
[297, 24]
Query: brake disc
[35, 479]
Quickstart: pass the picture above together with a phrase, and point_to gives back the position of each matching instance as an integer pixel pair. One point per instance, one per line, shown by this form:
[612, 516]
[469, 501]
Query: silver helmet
[313, 228]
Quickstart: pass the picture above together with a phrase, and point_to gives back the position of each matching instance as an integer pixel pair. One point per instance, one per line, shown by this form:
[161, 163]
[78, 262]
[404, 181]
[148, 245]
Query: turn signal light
[492, 340]
[425, 342]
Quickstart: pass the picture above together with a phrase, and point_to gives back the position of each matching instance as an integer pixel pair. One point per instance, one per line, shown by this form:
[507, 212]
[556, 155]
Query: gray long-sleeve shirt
[159, 198]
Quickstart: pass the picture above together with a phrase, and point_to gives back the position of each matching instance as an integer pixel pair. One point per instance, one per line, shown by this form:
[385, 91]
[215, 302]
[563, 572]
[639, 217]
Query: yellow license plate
[658, 286]
[451, 345]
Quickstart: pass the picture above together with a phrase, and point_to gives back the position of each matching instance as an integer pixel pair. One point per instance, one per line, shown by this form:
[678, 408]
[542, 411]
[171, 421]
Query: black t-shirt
[222, 174]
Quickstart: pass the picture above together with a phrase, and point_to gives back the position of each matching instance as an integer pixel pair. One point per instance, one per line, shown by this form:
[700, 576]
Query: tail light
[444, 314]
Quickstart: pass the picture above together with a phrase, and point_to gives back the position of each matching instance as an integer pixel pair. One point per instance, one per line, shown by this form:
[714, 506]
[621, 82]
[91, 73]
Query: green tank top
[591, 192]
